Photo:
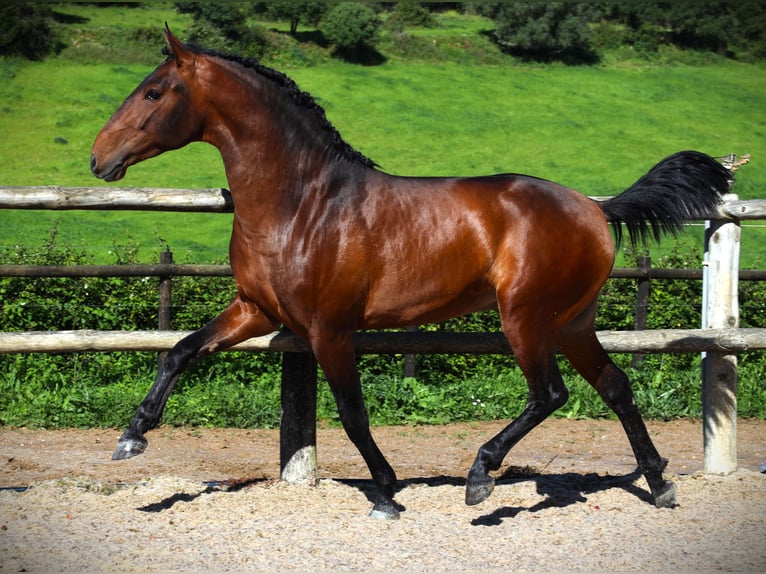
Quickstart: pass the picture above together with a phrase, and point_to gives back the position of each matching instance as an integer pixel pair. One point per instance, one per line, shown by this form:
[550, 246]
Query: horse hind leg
[583, 349]
[534, 350]
[238, 322]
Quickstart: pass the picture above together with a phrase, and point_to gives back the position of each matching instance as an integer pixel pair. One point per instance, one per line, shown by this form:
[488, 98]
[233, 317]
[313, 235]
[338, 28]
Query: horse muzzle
[108, 172]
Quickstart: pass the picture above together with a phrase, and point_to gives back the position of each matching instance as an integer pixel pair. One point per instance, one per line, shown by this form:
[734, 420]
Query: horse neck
[271, 147]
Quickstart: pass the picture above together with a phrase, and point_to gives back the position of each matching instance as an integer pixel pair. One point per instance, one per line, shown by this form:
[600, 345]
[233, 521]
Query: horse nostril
[93, 163]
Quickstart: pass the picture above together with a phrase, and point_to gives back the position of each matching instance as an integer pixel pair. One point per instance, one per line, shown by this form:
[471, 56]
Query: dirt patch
[208, 499]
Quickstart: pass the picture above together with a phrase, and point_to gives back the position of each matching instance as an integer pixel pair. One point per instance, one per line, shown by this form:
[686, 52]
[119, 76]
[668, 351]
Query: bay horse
[325, 244]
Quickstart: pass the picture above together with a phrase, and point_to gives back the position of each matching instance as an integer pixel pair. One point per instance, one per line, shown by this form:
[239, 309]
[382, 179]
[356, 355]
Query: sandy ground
[209, 500]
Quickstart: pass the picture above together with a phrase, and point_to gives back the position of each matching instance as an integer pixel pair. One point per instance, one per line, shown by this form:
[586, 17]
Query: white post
[720, 310]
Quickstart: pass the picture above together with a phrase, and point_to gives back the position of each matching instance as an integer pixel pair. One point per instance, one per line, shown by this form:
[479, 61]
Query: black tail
[683, 187]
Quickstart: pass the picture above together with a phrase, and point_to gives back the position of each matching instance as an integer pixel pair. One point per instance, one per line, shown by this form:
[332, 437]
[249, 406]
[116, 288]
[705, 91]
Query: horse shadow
[210, 487]
[558, 489]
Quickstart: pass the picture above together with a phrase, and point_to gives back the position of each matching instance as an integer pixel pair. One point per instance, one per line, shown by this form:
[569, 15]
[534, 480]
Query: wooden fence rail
[216, 200]
[212, 270]
[720, 339]
[388, 342]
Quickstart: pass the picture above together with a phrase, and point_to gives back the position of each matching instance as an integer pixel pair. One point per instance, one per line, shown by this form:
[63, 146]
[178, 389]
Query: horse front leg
[338, 361]
[240, 321]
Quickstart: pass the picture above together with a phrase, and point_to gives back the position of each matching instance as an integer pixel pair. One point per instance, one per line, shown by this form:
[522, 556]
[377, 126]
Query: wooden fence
[719, 339]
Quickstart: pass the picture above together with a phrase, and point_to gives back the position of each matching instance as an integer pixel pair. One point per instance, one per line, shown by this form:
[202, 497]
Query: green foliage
[73, 390]
[242, 389]
[752, 303]
[103, 389]
[352, 28]
[306, 11]
[27, 30]
[66, 303]
[543, 30]
[575, 31]
[733, 29]
[223, 26]
[409, 14]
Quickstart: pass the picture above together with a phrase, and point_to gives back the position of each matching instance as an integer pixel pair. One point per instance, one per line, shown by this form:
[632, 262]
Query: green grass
[596, 129]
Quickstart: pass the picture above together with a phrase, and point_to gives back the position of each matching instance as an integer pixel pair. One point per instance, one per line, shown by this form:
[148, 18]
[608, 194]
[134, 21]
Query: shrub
[104, 389]
[352, 28]
[26, 30]
[543, 30]
[410, 14]
[223, 26]
[242, 389]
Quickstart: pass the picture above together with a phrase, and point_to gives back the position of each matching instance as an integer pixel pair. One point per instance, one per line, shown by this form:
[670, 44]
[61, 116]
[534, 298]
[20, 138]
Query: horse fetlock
[129, 446]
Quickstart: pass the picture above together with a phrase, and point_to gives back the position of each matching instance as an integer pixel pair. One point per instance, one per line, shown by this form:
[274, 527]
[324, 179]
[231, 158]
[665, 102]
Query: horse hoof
[477, 491]
[385, 511]
[665, 497]
[128, 448]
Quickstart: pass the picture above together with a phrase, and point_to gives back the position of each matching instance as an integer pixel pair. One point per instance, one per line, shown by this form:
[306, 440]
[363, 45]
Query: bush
[243, 389]
[410, 14]
[543, 30]
[352, 28]
[104, 389]
[223, 26]
[27, 30]
[731, 28]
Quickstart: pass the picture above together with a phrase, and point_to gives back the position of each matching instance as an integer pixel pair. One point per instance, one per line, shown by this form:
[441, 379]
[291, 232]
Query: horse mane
[299, 97]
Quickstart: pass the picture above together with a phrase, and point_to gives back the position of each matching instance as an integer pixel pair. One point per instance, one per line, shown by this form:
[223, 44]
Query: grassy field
[596, 129]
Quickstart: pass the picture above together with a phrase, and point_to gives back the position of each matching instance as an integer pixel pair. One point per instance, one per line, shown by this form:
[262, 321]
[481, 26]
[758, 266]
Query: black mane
[291, 89]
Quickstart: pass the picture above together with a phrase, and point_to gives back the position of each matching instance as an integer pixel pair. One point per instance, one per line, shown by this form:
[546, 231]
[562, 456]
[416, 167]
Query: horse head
[158, 116]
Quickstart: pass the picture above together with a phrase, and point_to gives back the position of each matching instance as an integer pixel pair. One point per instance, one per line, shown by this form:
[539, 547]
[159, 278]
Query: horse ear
[183, 58]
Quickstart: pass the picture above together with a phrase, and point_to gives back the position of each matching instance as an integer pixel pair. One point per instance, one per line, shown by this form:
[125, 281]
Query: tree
[731, 28]
[352, 28]
[542, 30]
[223, 26]
[703, 26]
[26, 30]
[295, 12]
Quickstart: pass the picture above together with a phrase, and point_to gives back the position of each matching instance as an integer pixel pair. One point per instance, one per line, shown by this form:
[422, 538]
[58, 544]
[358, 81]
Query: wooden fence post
[297, 442]
[163, 311]
[410, 359]
[720, 310]
[642, 301]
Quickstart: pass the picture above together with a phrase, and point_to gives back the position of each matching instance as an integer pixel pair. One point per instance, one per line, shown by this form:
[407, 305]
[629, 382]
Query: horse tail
[685, 186]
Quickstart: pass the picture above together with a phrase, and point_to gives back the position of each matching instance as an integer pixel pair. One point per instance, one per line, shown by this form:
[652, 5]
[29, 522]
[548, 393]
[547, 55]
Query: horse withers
[325, 244]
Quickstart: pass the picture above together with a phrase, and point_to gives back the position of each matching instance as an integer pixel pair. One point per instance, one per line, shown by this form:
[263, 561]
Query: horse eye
[152, 95]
